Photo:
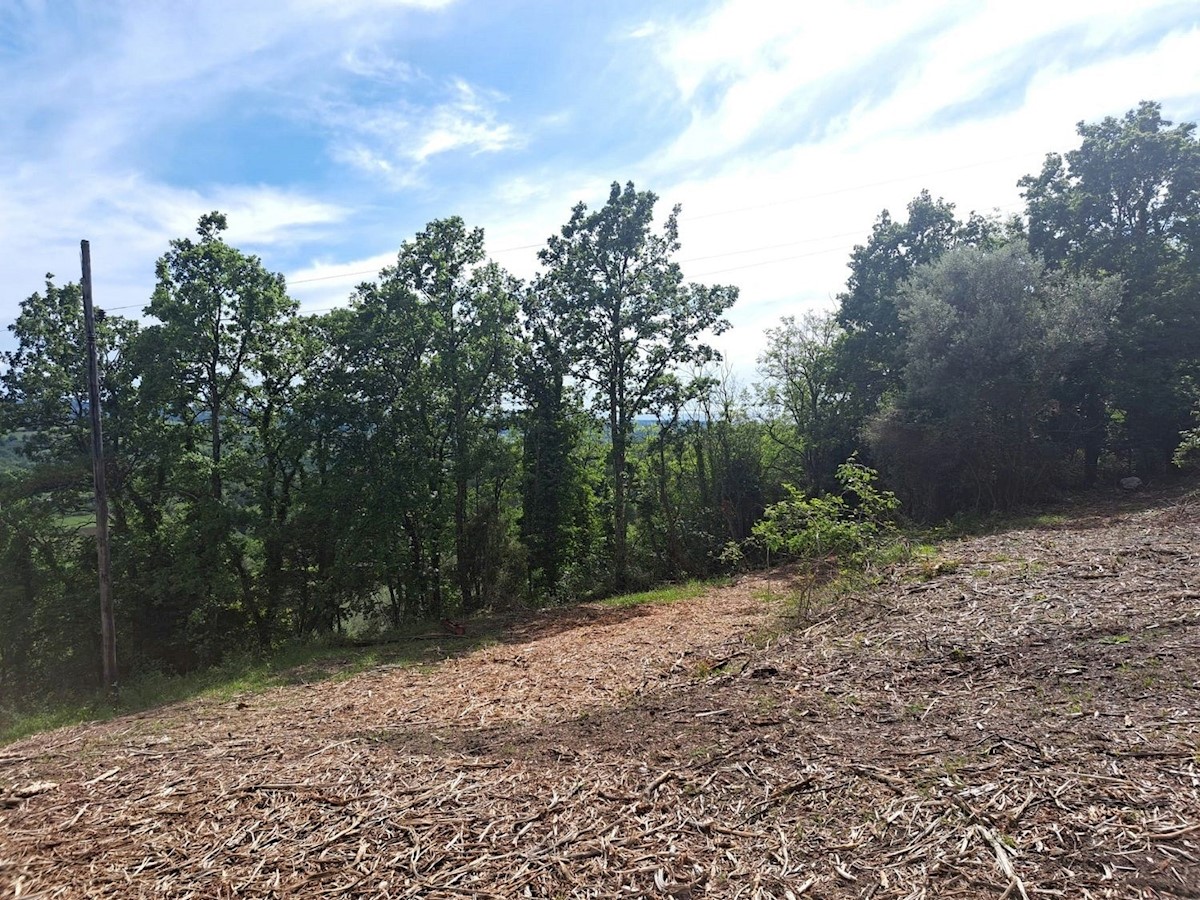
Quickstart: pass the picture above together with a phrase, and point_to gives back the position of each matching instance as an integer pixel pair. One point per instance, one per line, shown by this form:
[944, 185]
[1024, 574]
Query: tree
[807, 403]
[423, 362]
[1126, 202]
[219, 311]
[870, 356]
[473, 307]
[551, 432]
[868, 310]
[44, 385]
[989, 335]
[50, 629]
[628, 319]
[217, 373]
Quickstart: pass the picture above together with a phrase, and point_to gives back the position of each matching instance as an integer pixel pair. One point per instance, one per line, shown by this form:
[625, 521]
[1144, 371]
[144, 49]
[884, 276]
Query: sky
[329, 131]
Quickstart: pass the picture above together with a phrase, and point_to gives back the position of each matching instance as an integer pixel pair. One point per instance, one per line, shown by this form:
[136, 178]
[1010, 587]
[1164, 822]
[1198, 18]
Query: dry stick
[1171, 835]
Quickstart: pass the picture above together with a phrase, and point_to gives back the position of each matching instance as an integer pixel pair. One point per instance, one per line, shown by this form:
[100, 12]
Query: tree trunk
[461, 550]
[214, 424]
[620, 513]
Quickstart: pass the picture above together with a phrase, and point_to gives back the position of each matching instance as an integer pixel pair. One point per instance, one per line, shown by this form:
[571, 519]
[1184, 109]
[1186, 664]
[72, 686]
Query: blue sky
[331, 131]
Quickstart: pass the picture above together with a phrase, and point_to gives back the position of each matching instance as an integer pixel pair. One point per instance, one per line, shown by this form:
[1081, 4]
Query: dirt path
[1017, 718]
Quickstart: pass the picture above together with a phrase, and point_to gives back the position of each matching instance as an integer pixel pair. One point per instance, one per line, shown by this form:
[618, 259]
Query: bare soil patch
[1018, 718]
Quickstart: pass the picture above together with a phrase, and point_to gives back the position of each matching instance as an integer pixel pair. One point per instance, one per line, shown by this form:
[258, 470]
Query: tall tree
[220, 310]
[989, 336]
[870, 357]
[428, 354]
[49, 633]
[216, 372]
[1126, 202]
[550, 433]
[628, 319]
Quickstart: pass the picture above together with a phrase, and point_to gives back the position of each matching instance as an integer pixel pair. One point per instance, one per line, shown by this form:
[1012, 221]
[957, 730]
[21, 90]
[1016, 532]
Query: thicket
[456, 439]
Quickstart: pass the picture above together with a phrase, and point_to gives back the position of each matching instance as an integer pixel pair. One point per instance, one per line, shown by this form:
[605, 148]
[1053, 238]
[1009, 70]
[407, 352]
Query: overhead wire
[742, 252]
[731, 211]
[708, 215]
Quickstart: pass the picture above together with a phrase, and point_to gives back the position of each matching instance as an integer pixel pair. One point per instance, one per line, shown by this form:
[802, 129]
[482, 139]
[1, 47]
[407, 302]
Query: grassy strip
[237, 676]
[295, 664]
[671, 593]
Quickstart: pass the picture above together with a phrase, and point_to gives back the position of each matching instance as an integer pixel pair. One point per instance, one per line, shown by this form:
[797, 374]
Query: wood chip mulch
[1016, 718]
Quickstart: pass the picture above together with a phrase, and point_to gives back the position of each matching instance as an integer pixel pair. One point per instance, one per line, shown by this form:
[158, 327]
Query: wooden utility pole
[108, 634]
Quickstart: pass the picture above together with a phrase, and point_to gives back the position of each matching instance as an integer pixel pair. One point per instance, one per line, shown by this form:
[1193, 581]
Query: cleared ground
[1018, 717]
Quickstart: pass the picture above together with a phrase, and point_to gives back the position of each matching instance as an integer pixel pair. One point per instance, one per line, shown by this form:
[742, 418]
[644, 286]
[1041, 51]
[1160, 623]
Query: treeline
[456, 439]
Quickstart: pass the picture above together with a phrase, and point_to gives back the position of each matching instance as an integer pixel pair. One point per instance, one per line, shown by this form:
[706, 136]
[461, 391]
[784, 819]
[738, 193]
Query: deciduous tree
[628, 319]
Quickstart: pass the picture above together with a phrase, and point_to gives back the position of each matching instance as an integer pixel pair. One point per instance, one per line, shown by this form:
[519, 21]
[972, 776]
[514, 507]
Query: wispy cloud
[90, 94]
[645, 30]
[397, 140]
[374, 63]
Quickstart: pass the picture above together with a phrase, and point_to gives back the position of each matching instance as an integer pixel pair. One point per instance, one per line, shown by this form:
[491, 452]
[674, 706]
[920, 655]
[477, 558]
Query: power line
[852, 188]
[771, 262]
[714, 214]
[721, 255]
[813, 240]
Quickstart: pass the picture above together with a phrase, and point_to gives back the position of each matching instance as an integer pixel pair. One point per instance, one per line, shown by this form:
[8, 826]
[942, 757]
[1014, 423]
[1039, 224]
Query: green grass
[966, 525]
[237, 677]
[78, 520]
[672, 593]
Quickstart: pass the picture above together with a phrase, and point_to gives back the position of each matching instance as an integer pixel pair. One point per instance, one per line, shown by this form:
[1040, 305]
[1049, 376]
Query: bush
[845, 527]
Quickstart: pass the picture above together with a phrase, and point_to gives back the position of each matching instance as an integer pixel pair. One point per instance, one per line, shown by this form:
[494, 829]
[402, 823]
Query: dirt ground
[1018, 717]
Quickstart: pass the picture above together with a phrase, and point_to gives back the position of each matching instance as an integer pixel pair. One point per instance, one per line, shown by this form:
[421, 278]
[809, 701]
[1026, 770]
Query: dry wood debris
[1018, 719]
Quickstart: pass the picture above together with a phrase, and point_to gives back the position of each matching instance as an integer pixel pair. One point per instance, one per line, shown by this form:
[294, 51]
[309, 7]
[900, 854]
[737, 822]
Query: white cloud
[465, 123]
[754, 66]
[398, 140]
[645, 30]
[323, 285]
[82, 95]
[780, 148]
[375, 64]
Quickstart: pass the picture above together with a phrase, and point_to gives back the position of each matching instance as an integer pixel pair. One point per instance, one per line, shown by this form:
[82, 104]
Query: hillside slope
[1019, 718]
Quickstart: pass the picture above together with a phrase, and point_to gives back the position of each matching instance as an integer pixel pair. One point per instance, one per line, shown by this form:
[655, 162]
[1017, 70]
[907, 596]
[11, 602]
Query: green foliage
[1126, 203]
[699, 479]
[1189, 441]
[627, 320]
[560, 524]
[412, 386]
[990, 336]
[870, 357]
[14, 452]
[807, 406]
[843, 527]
